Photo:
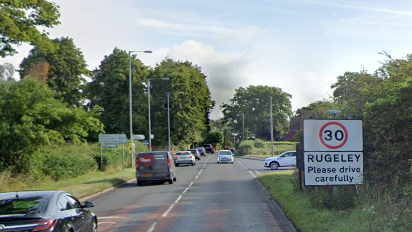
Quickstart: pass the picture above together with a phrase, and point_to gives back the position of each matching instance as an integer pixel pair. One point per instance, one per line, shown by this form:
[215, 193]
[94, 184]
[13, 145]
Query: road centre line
[153, 226]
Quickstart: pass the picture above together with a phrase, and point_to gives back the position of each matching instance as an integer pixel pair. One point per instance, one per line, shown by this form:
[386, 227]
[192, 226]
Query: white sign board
[138, 137]
[113, 138]
[332, 135]
[333, 152]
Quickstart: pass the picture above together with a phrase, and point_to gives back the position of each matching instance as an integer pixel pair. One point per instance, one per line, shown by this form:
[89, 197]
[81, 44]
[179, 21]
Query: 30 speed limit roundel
[333, 135]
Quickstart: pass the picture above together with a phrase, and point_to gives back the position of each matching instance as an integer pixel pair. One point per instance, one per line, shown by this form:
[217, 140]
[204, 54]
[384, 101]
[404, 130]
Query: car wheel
[177, 165]
[232, 162]
[174, 179]
[94, 226]
[193, 164]
[274, 166]
[139, 183]
[171, 181]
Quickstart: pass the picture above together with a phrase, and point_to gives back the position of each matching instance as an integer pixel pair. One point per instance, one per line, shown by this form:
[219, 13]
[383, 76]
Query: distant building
[296, 124]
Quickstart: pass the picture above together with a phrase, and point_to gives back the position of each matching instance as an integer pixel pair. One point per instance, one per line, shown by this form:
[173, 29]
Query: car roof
[29, 194]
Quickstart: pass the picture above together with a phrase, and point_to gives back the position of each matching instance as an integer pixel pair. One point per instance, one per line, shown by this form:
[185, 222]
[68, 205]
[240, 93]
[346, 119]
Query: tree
[30, 118]
[19, 21]
[109, 89]
[190, 102]
[62, 69]
[214, 137]
[253, 103]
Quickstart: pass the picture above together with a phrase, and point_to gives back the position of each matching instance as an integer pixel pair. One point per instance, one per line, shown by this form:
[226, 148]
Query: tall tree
[190, 102]
[19, 21]
[253, 103]
[109, 89]
[63, 69]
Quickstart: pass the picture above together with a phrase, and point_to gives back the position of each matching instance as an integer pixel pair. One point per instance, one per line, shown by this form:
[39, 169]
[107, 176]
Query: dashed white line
[251, 173]
[168, 210]
[153, 226]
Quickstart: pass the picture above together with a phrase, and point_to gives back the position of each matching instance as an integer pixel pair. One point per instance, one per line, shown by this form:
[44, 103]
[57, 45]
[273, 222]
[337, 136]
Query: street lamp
[271, 129]
[130, 96]
[243, 126]
[168, 122]
[148, 97]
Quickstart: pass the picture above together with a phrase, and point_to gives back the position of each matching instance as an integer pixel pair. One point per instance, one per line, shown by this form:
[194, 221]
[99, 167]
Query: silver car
[184, 157]
[225, 156]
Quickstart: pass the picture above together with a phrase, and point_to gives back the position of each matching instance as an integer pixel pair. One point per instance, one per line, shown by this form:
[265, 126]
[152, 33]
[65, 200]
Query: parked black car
[209, 148]
[47, 211]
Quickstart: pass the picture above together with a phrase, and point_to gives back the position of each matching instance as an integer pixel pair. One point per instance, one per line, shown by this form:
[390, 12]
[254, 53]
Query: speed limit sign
[332, 135]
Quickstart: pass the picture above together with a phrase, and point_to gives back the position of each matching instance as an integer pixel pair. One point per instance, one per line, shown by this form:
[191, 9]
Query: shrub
[68, 161]
[259, 143]
[245, 147]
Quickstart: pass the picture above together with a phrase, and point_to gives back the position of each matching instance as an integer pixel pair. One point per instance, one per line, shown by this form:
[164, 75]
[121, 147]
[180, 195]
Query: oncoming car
[225, 156]
[285, 159]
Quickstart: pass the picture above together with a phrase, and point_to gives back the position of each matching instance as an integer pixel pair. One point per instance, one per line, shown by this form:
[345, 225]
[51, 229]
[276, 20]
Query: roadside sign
[113, 138]
[138, 137]
[333, 152]
[109, 145]
[332, 135]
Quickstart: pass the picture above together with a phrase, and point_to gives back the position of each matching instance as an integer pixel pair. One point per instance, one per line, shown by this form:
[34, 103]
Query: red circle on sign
[336, 124]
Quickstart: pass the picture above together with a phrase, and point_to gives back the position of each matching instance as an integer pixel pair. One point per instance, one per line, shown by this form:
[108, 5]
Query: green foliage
[109, 89]
[68, 161]
[245, 147]
[19, 21]
[30, 118]
[214, 137]
[259, 143]
[63, 70]
[189, 100]
[253, 105]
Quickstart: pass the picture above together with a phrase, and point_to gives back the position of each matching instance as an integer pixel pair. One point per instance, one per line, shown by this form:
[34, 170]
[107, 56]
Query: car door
[80, 215]
[289, 159]
[68, 214]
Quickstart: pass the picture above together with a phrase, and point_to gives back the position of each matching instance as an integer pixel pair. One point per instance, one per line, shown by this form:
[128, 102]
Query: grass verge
[299, 209]
[81, 186]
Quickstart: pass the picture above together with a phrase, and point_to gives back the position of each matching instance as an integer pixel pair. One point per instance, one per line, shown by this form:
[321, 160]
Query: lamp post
[243, 126]
[148, 97]
[130, 96]
[168, 122]
[271, 129]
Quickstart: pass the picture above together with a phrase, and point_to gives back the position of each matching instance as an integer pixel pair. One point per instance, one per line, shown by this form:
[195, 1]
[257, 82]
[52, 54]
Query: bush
[245, 147]
[68, 161]
[259, 143]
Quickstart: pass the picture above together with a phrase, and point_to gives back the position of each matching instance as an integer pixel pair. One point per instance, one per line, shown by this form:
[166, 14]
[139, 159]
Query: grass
[298, 208]
[265, 152]
[81, 186]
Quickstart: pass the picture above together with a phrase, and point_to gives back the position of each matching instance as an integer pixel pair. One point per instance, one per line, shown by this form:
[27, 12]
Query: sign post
[333, 152]
[112, 139]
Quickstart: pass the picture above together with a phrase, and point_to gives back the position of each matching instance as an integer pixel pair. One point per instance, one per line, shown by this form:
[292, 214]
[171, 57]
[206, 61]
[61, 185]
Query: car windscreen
[29, 206]
[183, 153]
[225, 153]
[152, 161]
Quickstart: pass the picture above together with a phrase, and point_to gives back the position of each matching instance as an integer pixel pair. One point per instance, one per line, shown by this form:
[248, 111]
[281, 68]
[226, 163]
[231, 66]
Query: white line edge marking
[257, 172]
[153, 226]
[251, 173]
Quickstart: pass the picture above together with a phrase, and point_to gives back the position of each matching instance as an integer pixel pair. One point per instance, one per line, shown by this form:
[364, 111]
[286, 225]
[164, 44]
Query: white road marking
[168, 210]
[257, 172]
[153, 226]
[111, 217]
[251, 173]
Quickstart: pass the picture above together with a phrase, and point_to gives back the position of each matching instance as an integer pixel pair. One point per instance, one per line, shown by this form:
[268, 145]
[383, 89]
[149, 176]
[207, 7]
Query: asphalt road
[205, 197]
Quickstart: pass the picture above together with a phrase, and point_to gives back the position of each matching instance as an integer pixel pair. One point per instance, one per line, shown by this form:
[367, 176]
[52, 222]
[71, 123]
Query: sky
[299, 46]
